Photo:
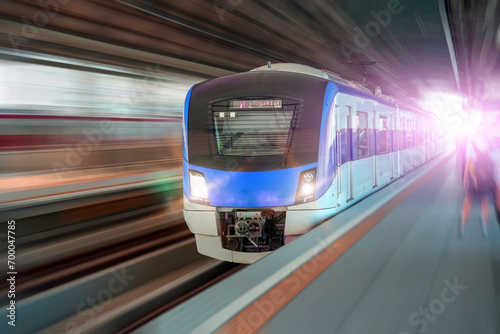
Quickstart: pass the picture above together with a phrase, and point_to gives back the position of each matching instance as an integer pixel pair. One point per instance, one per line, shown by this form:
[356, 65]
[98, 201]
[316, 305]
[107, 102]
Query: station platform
[393, 263]
[21, 189]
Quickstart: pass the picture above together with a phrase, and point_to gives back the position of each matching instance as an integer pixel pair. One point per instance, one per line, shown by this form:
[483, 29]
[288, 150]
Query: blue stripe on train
[249, 189]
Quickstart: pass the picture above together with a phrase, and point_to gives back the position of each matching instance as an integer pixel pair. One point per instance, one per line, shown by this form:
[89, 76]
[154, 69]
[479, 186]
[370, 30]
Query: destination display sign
[256, 104]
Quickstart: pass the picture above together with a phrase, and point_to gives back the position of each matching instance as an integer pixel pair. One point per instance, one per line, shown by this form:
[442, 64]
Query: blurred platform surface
[406, 273]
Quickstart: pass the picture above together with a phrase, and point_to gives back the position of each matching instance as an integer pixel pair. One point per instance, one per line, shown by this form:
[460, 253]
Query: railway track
[116, 244]
[121, 297]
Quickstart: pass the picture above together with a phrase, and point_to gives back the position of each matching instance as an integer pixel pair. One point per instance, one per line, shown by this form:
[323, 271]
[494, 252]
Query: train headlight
[307, 189]
[198, 186]
[306, 186]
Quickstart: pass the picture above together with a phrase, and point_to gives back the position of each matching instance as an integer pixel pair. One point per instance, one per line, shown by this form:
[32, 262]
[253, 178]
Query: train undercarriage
[252, 231]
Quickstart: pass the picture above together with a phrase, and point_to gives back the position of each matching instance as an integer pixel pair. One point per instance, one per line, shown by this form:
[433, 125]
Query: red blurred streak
[90, 118]
[31, 142]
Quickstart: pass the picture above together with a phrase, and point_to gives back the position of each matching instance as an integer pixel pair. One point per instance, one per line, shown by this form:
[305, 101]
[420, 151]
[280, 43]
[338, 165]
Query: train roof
[308, 70]
[350, 86]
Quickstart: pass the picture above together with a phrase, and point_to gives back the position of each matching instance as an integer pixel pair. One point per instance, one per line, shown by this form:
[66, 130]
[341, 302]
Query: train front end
[251, 145]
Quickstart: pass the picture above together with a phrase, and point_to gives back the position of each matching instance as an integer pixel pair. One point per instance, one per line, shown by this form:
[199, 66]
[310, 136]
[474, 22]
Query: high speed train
[271, 153]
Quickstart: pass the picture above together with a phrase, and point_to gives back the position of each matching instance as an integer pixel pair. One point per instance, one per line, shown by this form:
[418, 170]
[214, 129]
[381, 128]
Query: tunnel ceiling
[448, 46]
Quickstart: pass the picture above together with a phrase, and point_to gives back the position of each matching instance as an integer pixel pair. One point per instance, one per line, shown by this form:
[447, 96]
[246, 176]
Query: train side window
[383, 144]
[362, 134]
[346, 147]
[394, 134]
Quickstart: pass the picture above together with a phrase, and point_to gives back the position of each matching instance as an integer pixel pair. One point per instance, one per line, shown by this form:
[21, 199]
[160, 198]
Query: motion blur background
[92, 95]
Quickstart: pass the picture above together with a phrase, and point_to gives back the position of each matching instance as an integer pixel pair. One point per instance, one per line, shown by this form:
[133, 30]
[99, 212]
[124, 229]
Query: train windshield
[246, 128]
[255, 121]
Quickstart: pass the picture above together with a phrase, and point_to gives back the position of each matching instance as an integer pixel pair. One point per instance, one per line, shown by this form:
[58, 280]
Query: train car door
[383, 156]
[397, 144]
[338, 150]
[409, 145]
[349, 133]
[362, 147]
[340, 140]
[344, 175]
